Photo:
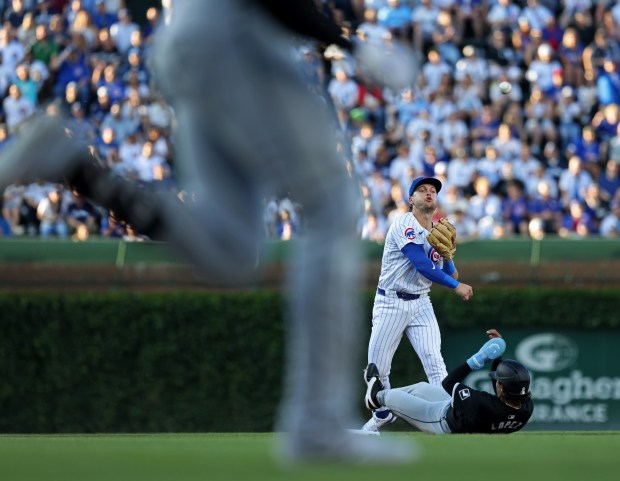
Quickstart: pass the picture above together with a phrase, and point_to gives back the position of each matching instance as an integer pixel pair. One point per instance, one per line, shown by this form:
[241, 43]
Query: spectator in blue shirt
[515, 209]
[106, 146]
[100, 17]
[606, 122]
[608, 83]
[484, 127]
[396, 17]
[546, 207]
[609, 181]
[587, 147]
[134, 64]
[577, 222]
[79, 124]
[71, 66]
[113, 84]
[82, 217]
[100, 107]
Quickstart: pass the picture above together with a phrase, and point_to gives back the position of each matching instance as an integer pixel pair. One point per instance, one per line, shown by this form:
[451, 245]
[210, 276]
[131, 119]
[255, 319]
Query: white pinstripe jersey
[397, 271]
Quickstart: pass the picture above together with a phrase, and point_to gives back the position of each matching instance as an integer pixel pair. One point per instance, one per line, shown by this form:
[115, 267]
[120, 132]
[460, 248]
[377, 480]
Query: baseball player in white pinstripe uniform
[402, 304]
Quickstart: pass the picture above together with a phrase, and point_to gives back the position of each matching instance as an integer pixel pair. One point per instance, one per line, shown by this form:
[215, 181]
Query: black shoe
[371, 376]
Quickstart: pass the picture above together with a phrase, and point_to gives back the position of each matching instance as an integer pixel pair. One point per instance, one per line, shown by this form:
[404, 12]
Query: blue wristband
[448, 267]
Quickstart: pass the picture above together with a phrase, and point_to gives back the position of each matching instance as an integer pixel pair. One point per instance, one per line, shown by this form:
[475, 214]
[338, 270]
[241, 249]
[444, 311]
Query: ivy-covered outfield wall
[177, 362]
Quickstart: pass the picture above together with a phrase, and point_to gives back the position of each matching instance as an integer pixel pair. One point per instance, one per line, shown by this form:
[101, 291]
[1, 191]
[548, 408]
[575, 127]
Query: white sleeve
[407, 230]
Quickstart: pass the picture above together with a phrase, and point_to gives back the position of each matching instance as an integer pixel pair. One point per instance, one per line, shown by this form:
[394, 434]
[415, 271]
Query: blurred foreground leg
[243, 109]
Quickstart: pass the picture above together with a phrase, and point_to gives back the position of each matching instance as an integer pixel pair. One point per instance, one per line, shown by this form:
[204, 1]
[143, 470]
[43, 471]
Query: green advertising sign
[575, 374]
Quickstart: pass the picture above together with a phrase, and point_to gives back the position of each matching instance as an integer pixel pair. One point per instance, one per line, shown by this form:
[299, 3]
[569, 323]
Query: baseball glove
[443, 238]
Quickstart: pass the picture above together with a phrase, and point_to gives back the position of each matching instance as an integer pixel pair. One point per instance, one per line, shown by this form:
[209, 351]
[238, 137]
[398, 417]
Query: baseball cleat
[375, 423]
[371, 376]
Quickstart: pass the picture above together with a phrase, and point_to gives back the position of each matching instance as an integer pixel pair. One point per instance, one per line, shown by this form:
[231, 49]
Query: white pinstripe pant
[391, 318]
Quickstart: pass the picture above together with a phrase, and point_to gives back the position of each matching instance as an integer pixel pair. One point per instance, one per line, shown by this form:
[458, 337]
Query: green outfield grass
[562, 456]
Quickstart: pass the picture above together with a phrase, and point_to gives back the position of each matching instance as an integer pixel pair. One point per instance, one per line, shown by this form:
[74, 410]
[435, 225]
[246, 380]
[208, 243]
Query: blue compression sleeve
[415, 253]
[448, 267]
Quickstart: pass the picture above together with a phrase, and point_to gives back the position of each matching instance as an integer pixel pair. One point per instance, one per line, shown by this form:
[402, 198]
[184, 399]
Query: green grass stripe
[549, 456]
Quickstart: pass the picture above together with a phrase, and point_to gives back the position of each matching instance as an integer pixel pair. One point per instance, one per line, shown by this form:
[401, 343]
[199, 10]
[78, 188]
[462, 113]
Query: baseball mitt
[443, 238]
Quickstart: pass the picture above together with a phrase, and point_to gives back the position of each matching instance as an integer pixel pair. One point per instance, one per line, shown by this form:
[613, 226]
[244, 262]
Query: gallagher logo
[434, 255]
[547, 352]
[410, 233]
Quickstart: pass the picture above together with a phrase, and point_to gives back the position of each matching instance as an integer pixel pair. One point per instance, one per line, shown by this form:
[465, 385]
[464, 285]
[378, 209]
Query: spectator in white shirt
[420, 123]
[374, 228]
[452, 200]
[503, 15]
[13, 52]
[461, 169]
[52, 213]
[526, 165]
[121, 31]
[441, 108]
[380, 191]
[484, 203]
[424, 19]
[434, 70]
[361, 164]
[610, 225]
[400, 164]
[536, 14]
[343, 90]
[508, 147]
[465, 226]
[370, 28]
[148, 165]
[574, 181]
[573, 8]
[417, 148]
[129, 149]
[452, 132]
[473, 65]
[468, 96]
[539, 175]
[540, 71]
[490, 166]
[17, 108]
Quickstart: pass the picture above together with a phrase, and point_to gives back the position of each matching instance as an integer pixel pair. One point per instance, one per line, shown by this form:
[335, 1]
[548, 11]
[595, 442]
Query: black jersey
[474, 411]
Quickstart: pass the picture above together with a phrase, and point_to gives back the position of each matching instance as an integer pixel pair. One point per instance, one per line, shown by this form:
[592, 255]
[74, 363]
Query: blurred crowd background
[543, 159]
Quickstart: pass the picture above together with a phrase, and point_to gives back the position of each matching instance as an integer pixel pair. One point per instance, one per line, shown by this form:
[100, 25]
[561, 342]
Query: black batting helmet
[515, 378]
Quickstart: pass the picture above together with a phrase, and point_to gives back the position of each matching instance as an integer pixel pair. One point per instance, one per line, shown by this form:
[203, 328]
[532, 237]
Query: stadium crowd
[542, 159]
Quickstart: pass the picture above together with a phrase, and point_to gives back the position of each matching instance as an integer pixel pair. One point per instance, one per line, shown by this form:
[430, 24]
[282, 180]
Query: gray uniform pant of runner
[422, 405]
[248, 127]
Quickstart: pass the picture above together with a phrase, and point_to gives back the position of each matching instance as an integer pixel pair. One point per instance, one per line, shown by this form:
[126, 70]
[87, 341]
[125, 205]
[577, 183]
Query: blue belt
[405, 296]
